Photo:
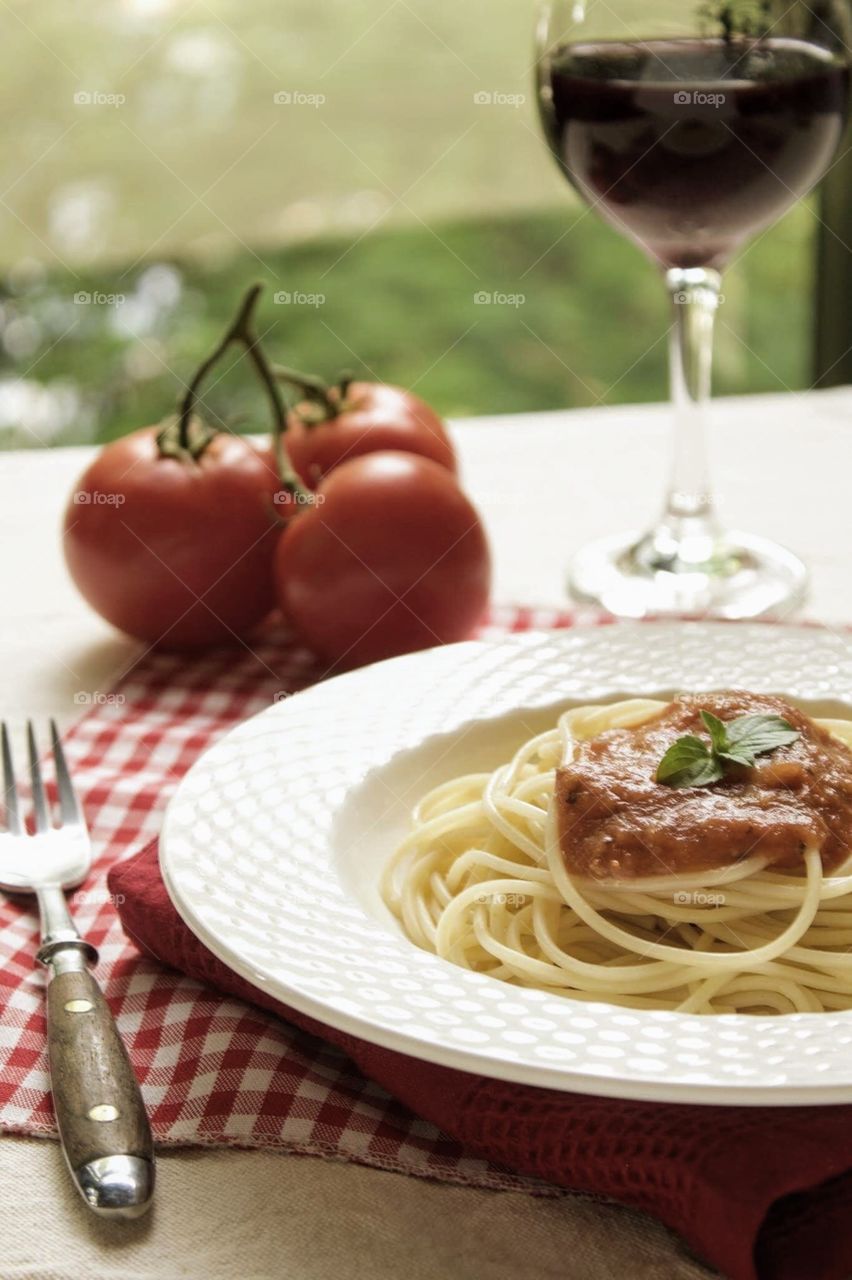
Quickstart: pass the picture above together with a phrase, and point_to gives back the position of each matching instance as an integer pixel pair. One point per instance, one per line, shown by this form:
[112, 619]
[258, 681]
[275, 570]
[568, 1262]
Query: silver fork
[99, 1110]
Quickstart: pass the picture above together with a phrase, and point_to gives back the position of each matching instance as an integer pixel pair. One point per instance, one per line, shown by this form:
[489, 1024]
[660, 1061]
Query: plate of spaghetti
[614, 860]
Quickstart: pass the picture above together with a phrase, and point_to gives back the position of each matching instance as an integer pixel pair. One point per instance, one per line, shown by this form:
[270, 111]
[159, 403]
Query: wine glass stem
[695, 297]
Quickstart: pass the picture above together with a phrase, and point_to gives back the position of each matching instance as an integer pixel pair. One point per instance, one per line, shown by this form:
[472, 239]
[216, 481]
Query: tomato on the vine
[390, 558]
[349, 419]
[172, 552]
[171, 532]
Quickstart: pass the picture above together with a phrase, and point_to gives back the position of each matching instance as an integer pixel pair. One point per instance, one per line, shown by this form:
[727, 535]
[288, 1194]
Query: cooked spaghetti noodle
[482, 881]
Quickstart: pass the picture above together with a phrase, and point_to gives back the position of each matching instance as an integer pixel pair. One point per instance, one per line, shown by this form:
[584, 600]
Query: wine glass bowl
[690, 127]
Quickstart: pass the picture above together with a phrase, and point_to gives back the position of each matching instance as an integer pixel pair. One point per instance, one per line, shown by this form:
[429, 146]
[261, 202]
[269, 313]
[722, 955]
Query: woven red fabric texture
[756, 1192]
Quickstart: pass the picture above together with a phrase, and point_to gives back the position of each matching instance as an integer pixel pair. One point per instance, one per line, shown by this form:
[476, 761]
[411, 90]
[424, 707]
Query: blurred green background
[378, 164]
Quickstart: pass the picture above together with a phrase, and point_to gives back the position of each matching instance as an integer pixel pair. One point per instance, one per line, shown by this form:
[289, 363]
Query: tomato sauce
[615, 821]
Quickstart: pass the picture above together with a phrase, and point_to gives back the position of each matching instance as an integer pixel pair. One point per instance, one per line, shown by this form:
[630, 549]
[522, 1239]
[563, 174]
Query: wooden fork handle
[99, 1110]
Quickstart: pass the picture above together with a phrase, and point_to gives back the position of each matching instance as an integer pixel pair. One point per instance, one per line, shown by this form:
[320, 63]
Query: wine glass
[689, 126]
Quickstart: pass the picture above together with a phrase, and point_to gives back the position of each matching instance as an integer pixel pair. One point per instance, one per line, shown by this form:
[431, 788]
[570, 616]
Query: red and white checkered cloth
[213, 1070]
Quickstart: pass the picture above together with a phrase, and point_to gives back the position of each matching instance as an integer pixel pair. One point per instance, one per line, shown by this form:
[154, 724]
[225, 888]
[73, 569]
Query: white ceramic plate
[272, 847]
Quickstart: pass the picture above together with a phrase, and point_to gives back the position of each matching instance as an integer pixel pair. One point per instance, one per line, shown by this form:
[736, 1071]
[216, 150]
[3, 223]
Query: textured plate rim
[470, 1059]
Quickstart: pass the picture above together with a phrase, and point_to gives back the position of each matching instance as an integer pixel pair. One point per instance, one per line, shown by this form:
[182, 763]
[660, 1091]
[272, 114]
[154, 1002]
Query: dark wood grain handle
[99, 1110]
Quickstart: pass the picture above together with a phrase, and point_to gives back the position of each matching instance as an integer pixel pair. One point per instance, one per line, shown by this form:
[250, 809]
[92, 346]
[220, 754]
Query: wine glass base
[746, 577]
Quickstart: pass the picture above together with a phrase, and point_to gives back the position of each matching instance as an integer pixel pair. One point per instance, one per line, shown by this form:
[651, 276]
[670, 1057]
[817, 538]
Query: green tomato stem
[233, 334]
[312, 387]
[242, 332]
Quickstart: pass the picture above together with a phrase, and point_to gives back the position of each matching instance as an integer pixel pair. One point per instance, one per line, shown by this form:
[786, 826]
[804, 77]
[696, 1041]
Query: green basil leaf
[717, 729]
[750, 736]
[688, 763]
[735, 757]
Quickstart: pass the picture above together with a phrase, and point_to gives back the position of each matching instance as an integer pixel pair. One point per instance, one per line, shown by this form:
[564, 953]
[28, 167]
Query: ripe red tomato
[177, 553]
[392, 558]
[358, 418]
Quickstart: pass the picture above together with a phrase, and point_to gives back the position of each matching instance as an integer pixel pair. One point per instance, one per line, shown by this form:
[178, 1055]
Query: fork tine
[10, 794]
[40, 814]
[69, 806]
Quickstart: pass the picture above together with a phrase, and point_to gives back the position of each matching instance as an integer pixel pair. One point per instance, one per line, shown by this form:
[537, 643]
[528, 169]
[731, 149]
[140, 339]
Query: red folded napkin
[757, 1192]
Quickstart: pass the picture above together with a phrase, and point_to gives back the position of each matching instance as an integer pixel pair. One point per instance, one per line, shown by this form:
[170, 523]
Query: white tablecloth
[545, 483]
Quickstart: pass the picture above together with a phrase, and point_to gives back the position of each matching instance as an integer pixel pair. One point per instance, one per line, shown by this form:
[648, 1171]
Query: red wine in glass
[691, 125]
[690, 167]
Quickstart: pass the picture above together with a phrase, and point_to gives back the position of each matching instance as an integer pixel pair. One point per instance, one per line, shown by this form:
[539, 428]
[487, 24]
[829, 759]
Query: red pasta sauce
[615, 821]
